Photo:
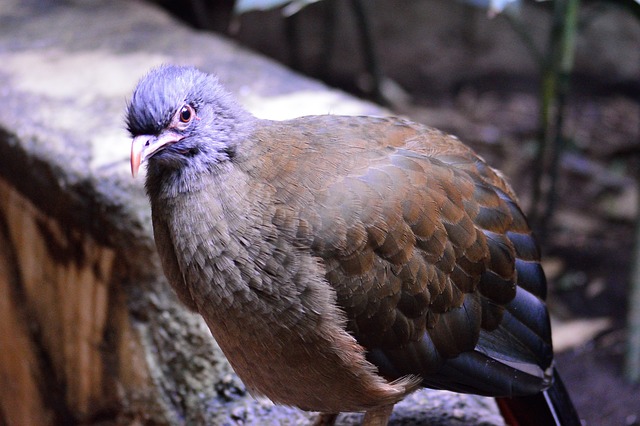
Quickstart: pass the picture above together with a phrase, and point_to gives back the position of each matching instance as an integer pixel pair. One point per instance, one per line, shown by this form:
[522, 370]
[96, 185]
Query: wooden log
[22, 377]
[62, 277]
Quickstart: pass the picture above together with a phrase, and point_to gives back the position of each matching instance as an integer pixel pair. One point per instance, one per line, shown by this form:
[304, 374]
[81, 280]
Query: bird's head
[179, 117]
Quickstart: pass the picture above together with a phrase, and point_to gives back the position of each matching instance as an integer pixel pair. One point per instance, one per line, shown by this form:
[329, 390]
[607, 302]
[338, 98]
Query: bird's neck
[219, 214]
[206, 170]
[166, 184]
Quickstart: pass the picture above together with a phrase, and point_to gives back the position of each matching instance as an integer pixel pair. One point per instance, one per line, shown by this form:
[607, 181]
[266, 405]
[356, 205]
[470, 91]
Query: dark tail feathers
[552, 407]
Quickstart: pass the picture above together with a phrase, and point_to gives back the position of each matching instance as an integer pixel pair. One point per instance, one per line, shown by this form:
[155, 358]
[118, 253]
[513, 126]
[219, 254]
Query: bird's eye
[186, 114]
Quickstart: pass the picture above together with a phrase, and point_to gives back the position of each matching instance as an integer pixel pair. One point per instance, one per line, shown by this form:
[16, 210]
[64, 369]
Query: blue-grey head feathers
[165, 89]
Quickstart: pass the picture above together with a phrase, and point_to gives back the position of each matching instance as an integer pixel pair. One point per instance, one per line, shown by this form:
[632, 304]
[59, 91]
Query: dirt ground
[588, 249]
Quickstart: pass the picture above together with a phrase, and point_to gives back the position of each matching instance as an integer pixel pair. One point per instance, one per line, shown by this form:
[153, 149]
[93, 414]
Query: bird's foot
[325, 419]
[378, 416]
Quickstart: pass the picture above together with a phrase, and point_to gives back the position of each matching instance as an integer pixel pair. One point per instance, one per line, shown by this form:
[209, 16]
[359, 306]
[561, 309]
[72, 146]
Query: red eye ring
[186, 114]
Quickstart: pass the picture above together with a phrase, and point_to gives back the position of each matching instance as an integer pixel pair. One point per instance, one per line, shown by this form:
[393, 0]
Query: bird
[343, 262]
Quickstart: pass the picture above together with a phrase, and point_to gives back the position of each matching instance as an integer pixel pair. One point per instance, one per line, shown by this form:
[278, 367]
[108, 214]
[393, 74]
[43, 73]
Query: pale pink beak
[144, 146]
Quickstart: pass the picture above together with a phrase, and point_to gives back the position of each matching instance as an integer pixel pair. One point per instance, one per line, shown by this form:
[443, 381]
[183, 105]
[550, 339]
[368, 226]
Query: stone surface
[91, 332]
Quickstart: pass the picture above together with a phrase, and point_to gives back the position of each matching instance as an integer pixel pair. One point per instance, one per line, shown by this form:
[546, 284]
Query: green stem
[565, 61]
[632, 357]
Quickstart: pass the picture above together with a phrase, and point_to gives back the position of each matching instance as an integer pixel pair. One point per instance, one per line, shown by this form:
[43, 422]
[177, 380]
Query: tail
[552, 407]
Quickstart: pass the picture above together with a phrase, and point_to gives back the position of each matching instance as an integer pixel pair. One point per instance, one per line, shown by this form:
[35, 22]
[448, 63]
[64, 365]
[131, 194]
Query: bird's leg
[325, 419]
[378, 416]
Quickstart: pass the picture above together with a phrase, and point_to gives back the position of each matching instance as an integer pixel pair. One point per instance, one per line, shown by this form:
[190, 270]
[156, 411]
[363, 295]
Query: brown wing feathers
[425, 252]
[424, 245]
